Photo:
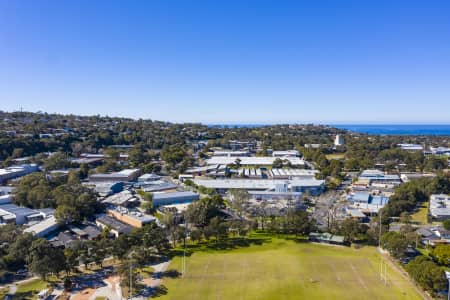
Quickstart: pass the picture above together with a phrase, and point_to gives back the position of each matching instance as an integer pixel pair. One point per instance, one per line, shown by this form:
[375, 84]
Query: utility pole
[385, 274]
[131, 274]
[379, 245]
[183, 261]
[131, 281]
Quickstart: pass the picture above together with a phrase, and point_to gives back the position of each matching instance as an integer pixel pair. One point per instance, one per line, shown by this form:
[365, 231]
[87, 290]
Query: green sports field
[285, 269]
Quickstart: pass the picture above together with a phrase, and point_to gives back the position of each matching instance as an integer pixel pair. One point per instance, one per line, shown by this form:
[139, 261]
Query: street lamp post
[130, 256]
[131, 280]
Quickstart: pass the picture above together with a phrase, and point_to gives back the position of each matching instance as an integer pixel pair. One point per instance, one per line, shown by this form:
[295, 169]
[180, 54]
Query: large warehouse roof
[162, 196]
[257, 184]
[256, 160]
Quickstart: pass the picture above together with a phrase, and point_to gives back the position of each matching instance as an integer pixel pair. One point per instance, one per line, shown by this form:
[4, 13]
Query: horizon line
[250, 123]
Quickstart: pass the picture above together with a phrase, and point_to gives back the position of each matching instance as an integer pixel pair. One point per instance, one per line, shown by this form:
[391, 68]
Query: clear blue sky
[229, 61]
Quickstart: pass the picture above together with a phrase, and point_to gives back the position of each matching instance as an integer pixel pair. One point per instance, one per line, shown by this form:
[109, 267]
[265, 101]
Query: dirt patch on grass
[84, 294]
[113, 280]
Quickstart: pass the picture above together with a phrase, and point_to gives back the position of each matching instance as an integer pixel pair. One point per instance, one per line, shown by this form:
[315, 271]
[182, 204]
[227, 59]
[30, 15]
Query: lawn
[284, 269]
[30, 289]
[335, 156]
[3, 292]
[421, 216]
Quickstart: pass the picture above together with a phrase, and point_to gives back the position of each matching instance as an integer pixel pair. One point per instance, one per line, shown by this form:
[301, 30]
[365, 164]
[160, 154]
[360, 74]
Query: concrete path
[159, 269]
[155, 280]
[105, 292]
[12, 291]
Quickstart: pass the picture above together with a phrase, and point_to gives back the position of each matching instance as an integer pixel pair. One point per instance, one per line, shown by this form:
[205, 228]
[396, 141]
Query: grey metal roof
[161, 196]
[40, 227]
[18, 210]
[256, 184]
[254, 160]
[114, 224]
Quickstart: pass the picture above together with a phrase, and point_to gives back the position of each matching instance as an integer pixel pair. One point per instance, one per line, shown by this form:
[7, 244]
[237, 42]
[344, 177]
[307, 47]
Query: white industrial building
[410, 147]
[231, 153]
[124, 175]
[160, 199]
[291, 173]
[276, 173]
[377, 176]
[286, 153]
[310, 185]
[123, 198]
[148, 177]
[440, 150]
[440, 206]
[43, 228]
[253, 161]
[406, 177]
[17, 171]
[11, 213]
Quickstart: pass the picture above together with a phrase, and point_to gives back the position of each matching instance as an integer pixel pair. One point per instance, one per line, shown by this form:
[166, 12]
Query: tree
[44, 259]
[153, 236]
[446, 224]
[350, 228]
[17, 152]
[8, 235]
[84, 171]
[196, 235]
[277, 163]
[237, 163]
[239, 202]
[405, 217]
[18, 251]
[261, 212]
[435, 163]
[71, 256]
[173, 229]
[410, 234]
[173, 154]
[201, 212]
[75, 203]
[99, 251]
[137, 155]
[302, 223]
[127, 273]
[427, 274]
[67, 284]
[56, 161]
[73, 177]
[442, 254]
[217, 228]
[112, 155]
[395, 243]
[34, 190]
[147, 204]
[121, 246]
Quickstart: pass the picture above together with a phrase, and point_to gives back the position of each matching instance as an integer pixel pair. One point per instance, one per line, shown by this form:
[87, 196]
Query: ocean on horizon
[376, 129]
[397, 129]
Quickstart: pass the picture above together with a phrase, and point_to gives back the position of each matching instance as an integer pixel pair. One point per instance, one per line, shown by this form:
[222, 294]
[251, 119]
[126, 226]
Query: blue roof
[379, 200]
[361, 197]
